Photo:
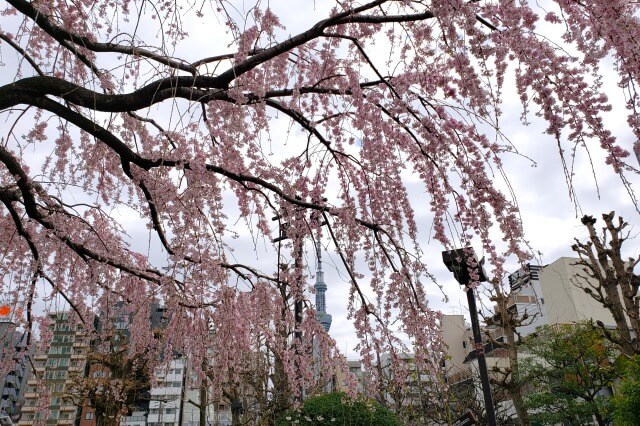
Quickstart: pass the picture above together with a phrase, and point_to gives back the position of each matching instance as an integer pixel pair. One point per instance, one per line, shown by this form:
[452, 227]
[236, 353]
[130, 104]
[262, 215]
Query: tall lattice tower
[321, 289]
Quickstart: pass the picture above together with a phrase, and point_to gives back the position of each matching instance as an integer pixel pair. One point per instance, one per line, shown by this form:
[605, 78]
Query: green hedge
[335, 409]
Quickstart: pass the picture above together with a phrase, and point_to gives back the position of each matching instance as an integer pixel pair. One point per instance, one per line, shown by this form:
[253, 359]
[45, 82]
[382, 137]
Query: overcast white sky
[550, 218]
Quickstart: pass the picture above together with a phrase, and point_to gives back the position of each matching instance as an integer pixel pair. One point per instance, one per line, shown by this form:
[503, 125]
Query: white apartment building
[167, 395]
[550, 295]
[175, 402]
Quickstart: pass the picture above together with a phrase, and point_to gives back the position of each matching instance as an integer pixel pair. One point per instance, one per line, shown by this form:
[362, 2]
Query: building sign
[466, 420]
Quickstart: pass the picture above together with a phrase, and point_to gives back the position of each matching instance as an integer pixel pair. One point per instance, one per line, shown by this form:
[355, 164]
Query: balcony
[460, 376]
[9, 393]
[521, 300]
[11, 380]
[132, 419]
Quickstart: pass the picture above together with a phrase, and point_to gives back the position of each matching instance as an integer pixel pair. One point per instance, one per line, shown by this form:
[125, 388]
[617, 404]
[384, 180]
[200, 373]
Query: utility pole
[297, 291]
[457, 261]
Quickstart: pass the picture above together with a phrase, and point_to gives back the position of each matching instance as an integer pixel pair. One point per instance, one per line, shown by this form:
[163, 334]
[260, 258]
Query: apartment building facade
[552, 295]
[14, 371]
[47, 395]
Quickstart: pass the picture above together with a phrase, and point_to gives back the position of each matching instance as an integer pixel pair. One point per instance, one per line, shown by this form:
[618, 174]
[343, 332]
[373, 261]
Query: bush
[626, 402]
[335, 409]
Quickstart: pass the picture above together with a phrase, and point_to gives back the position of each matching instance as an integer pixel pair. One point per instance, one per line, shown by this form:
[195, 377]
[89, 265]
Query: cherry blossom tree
[117, 112]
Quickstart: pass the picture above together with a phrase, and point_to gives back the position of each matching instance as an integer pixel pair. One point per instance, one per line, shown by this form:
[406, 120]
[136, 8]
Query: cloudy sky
[550, 216]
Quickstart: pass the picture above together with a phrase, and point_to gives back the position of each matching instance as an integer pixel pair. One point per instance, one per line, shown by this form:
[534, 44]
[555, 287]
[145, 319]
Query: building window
[464, 344]
[99, 374]
[59, 350]
[89, 416]
[170, 411]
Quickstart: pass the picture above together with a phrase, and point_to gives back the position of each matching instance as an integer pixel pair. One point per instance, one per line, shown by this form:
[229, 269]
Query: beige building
[547, 295]
[456, 334]
[551, 295]
[563, 300]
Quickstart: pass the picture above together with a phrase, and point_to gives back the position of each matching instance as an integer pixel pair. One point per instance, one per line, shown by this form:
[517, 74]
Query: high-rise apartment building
[14, 370]
[47, 395]
[166, 407]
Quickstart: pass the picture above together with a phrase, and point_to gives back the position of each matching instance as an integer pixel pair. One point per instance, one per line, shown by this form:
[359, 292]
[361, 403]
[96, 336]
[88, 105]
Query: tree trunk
[599, 419]
[513, 386]
[202, 420]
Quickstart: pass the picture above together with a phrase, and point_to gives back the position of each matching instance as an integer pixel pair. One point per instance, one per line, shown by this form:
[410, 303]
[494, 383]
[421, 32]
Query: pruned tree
[118, 112]
[610, 279]
[508, 339]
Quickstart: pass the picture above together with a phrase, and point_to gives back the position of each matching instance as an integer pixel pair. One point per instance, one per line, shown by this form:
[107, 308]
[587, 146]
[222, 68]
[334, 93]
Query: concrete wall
[457, 337]
[564, 301]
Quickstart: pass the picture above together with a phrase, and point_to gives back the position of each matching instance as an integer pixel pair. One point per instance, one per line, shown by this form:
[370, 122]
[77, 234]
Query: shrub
[335, 409]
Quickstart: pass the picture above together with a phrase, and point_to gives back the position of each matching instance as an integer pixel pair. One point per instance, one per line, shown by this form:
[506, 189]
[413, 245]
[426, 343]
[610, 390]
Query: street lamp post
[457, 261]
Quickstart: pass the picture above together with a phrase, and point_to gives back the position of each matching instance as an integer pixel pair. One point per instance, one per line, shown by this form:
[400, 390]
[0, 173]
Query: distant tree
[338, 409]
[567, 368]
[626, 401]
[610, 279]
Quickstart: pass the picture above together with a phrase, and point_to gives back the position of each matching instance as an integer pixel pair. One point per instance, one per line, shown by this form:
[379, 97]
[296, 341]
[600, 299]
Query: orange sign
[4, 310]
